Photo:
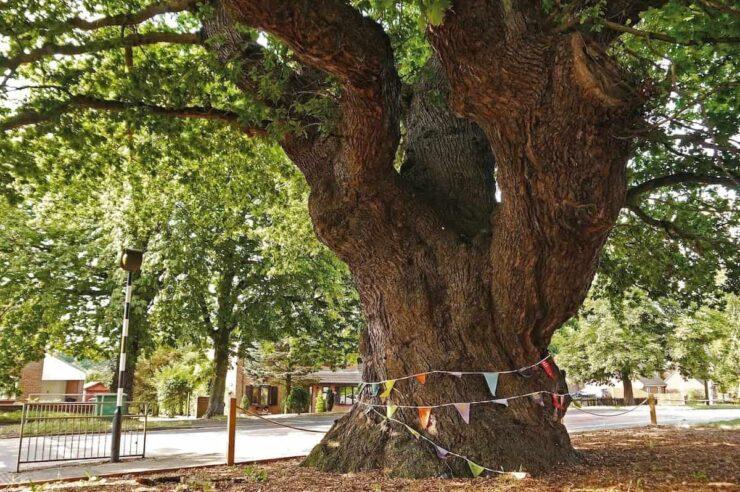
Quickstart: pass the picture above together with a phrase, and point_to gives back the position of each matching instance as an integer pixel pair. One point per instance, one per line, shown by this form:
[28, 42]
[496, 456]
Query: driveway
[257, 440]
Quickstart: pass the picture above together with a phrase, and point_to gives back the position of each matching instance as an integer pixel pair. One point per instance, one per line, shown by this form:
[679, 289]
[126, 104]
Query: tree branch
[635, 192]
[132, 19]
[671, 229]
[336, 38]
[76, 102]
[120, 20]
[100, 45]
[614, 26]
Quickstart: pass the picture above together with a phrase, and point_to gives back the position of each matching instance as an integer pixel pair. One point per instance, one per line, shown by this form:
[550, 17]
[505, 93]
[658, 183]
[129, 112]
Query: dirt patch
[656, 459]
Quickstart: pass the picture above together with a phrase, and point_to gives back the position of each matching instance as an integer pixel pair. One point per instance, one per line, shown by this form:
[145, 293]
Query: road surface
[257, 439]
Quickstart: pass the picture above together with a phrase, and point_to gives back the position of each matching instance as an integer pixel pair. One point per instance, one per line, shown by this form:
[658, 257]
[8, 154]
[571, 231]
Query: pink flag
[441, 452]
[464, 410]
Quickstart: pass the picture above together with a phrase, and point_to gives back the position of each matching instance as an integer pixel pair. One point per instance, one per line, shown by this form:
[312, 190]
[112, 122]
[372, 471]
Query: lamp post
[130, 262]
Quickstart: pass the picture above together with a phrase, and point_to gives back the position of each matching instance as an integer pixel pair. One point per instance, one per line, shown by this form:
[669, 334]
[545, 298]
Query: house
[51, 379]
[263, 398]
[641, 387]
[269, 397]
[688, 388]
[343, 383]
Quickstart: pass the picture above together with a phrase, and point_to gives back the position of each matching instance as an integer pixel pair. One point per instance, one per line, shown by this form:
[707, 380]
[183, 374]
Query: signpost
[130, 262]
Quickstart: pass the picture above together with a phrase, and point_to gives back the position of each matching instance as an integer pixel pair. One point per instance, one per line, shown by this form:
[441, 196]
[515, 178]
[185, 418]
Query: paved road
[257, 440]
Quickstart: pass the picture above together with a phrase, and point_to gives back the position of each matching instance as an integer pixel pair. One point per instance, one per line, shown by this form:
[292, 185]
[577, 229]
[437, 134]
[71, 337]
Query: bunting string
[499, 401]
[443, 453]
[421, 376]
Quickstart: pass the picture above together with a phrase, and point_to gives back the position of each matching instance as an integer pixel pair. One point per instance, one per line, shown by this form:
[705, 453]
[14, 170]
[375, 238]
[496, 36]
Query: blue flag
[492, 380]
[375, 388]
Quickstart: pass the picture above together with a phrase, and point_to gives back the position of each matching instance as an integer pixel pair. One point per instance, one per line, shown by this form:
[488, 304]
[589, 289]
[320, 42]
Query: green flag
[475, 468]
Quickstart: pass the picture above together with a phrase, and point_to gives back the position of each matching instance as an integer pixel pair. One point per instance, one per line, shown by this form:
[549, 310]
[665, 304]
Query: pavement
[260, 440]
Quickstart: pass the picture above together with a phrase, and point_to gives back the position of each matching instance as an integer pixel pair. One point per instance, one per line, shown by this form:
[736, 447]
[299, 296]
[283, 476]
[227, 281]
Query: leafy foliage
[297, 401]
[603, 344]
[209, 205]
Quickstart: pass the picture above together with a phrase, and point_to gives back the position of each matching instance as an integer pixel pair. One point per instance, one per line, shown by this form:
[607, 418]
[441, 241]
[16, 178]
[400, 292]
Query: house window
[347, 395]
[264, 395]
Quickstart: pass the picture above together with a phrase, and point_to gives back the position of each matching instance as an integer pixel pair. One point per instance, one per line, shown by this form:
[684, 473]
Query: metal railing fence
[54, 431]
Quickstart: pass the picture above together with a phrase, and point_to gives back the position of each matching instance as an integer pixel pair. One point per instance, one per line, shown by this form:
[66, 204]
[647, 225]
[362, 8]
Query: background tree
[282, 362]
[518, 119]
[602, 344]
[705, 345]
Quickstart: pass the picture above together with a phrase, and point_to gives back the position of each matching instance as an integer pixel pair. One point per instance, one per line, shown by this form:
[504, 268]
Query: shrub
[174, 383]
[297, 401]
[320, 404]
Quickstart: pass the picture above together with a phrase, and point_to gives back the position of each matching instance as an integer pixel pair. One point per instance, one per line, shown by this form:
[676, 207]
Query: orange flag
[422, 378]
[424, 414]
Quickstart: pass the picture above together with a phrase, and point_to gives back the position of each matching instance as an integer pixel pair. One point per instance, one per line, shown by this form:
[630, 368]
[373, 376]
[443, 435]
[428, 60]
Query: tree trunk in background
[706, 391]
[629, 398]
[221, 354]
[288, 386]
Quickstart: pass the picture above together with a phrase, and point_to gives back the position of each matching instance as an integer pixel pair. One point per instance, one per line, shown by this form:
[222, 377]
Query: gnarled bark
[448, 278]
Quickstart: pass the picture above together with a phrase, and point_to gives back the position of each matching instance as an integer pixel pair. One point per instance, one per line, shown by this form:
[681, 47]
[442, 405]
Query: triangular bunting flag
[388, 387]
[441, 452]
[475, 468]
[464, 410]
[413, 432]
[456, 374]
[538, 399]
[424, 414]
[375, 388]
[390, 410]
[519, 475]
[557, 401]
[492, 381]
[548, 369]
[422, 378]
[502, 401]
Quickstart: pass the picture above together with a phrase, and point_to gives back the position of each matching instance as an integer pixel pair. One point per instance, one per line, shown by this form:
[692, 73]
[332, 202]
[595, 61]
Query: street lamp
[130, 262]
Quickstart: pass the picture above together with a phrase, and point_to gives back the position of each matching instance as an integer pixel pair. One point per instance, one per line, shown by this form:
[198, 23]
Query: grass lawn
[655, 459]
[717, 406]
[13, 417]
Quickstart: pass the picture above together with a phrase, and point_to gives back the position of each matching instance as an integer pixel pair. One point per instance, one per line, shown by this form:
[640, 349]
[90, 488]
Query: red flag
[422, 378]
[557, 401]
[548, 369]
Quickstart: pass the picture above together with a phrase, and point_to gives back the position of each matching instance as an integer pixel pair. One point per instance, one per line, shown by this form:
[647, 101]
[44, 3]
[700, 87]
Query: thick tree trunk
[218, 380]
[629, 395]
[448, 278]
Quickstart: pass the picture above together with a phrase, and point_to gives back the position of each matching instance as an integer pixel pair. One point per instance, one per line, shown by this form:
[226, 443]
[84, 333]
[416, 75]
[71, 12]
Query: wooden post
[231, 431]
[653, 416]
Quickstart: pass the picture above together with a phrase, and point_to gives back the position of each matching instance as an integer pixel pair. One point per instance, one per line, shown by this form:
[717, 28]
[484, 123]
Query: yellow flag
[475, 468]
[388, 387]
[390, 410]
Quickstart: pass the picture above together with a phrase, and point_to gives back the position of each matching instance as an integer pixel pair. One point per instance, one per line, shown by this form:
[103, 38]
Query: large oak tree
[469, 176]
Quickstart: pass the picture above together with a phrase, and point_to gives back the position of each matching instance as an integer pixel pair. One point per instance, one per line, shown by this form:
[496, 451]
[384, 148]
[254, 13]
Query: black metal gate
[52, 431]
